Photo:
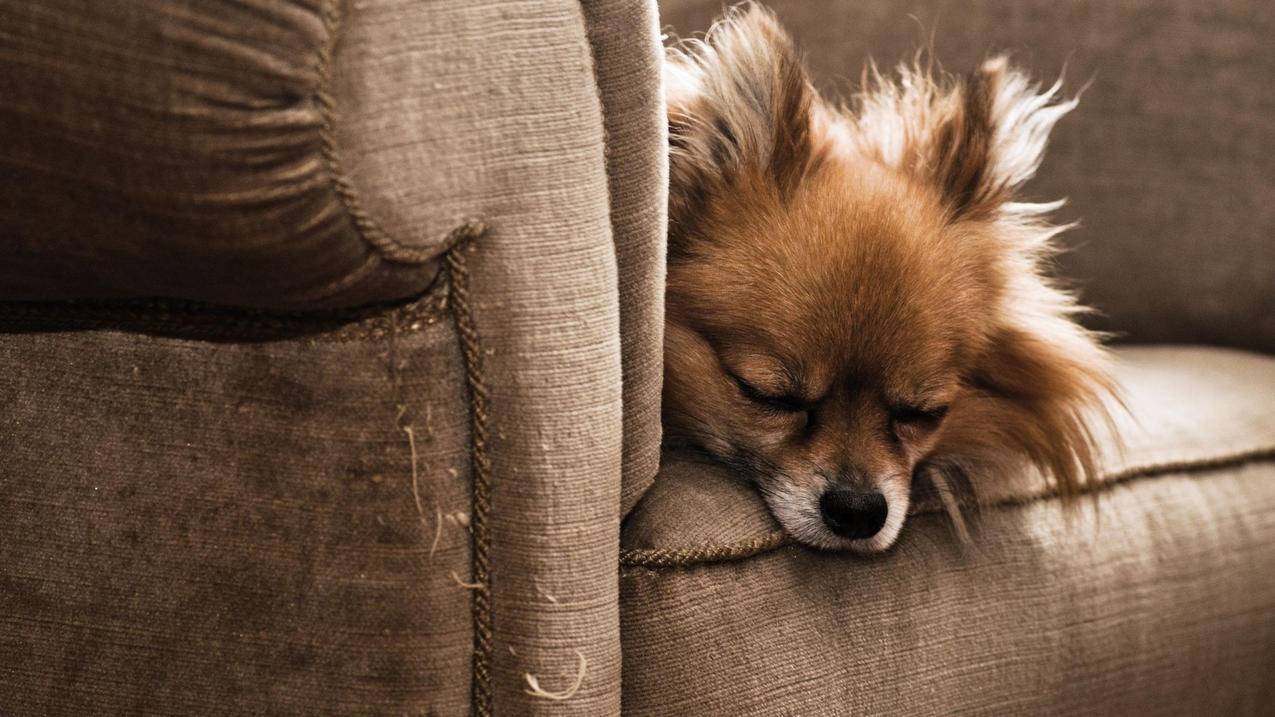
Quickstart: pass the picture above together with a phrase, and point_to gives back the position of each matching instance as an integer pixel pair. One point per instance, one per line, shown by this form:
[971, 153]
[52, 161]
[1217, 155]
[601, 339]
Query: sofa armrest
[347, 505]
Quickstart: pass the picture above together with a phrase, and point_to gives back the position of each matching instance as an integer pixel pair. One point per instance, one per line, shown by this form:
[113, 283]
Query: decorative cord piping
[1151, 470]
[471, 350]
[387, 247]
[670, 558]
[657, 558]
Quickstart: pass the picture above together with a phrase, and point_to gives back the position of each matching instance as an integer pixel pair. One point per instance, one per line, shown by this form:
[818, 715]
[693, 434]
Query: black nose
[853, 514]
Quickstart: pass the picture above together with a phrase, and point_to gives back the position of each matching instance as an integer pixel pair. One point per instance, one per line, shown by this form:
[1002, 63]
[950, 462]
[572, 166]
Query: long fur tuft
[739, 103]
[1044, 377]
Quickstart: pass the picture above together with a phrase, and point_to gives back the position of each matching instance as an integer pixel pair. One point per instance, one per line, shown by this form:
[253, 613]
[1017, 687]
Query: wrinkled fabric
[215, 507]
[179, 149]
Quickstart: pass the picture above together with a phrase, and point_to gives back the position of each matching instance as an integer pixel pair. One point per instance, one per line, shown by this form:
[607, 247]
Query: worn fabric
[186, 149]
[626, 55]
[182, 552]
[546, 311]
[1126, 603]
[1168, 162]
[193, 523]
[509, 127]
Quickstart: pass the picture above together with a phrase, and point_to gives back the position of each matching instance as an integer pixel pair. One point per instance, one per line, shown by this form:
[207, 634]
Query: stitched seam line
[387, 247]
[670, 558]
[199, 321]
[480, 509]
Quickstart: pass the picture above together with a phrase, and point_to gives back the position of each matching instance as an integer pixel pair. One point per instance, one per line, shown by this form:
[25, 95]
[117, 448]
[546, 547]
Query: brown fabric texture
[1168, 162]
[195, 150]
[546, 113]
[1157, 597]
[546, 312]
[1159, 604]
[200, 528]
[196, 526]
[627, 58]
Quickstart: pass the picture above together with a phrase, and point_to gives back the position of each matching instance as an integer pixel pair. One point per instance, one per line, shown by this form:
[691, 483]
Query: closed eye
[917, 415]
[769, 401]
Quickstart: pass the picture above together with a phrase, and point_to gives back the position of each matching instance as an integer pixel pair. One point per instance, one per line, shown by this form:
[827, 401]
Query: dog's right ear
[739, 108]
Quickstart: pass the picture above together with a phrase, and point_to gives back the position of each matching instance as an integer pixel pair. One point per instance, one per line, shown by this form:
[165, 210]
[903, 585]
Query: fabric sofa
[330, 355]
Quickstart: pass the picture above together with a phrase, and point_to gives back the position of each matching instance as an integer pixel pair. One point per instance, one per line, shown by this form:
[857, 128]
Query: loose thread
[416, 490]
[463, 584]
[535, 690]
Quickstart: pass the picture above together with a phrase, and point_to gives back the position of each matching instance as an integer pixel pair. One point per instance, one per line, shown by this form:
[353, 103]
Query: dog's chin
[797, 510]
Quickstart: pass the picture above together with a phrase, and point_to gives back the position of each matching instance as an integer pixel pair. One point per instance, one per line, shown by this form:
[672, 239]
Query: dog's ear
[976, 139]
[1041, 397]
[739, 106]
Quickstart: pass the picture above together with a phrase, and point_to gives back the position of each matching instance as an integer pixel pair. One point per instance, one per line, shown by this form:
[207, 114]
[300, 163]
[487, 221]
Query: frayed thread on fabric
[535, 690]
[416, 488]
[466, 585]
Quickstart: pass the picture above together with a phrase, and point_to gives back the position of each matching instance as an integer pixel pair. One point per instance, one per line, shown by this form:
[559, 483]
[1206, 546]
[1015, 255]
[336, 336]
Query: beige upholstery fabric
[1157, 597]
[627, 55]
[1168, 162]
[185, 149]
[194, 524]
[216, 505]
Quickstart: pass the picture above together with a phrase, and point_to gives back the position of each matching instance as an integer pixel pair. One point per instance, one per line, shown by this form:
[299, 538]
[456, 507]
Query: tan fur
[862, 262]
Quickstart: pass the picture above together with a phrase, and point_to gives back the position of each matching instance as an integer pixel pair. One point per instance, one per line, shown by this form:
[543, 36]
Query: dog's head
[854, 295]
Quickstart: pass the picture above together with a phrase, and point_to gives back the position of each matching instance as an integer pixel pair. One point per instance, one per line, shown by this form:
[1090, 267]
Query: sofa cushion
[191, 523]
[1164, 582]
[1168, 162]
[198, 150]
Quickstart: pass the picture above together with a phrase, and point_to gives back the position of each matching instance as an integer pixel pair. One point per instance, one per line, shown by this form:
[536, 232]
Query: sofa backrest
[1168, 162]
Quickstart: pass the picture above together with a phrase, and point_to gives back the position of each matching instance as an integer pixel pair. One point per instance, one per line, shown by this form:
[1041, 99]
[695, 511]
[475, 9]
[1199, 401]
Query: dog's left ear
[991, 138]
[976, 139]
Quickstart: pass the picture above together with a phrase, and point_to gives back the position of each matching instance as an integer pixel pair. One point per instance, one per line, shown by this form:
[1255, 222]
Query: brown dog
[854, 295]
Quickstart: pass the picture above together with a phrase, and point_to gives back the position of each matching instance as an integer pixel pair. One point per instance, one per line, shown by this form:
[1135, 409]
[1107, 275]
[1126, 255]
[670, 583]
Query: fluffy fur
[855, 295]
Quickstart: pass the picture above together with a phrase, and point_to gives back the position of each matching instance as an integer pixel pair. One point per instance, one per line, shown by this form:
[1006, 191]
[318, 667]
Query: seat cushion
[1129, 602]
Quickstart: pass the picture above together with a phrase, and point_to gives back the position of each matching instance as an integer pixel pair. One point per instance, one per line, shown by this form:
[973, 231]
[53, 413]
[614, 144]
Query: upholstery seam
[664, 559]
[193, 320]
[480, 509]
[386, 246]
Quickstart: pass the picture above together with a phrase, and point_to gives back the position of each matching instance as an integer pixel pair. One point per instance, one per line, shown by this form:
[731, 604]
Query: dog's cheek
[695, 404]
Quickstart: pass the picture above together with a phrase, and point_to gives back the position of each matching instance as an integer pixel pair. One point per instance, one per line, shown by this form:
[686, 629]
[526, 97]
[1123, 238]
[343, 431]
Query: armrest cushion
[253, 153]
